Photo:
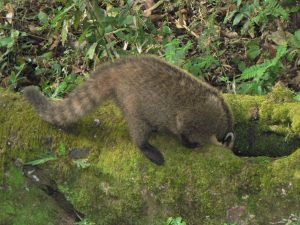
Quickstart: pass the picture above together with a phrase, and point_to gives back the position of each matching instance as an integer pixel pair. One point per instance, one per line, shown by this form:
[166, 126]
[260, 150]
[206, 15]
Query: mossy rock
[120, 186]
[266, 125]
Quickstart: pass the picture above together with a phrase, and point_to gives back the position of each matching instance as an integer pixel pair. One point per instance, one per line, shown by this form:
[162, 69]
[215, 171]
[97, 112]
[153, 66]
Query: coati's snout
[228, 140]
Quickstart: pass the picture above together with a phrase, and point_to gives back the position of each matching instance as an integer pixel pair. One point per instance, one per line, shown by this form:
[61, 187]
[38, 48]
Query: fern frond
[258, 71]
[255, 71]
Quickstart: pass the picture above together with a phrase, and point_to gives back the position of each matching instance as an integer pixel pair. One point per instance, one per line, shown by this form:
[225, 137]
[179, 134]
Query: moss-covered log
[120, 186]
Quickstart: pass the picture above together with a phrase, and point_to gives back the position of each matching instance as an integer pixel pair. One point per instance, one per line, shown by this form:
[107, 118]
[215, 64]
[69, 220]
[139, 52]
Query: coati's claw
[153, 154]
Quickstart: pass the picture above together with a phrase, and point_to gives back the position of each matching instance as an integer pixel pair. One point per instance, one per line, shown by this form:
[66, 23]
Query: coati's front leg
[152, 153]
[140, 132]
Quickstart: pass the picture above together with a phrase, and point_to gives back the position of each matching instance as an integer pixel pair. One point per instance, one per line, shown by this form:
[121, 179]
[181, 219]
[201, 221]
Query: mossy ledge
[120, 186]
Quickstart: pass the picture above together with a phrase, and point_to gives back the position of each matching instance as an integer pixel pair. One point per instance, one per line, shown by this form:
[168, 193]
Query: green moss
[280, 94]
[266, 125]
[21, 203]
[280, 187]
[245, 108]
[284, 114]
[122, 187]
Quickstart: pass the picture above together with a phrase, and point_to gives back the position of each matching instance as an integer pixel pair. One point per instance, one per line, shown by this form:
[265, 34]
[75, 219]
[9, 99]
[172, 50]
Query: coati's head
[196, 130]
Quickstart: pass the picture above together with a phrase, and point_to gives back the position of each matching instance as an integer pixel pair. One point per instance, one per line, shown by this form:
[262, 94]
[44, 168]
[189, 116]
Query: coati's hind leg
[140, 132]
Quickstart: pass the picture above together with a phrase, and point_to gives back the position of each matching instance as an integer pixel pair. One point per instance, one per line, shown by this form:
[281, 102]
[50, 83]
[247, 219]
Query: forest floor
[55, 44]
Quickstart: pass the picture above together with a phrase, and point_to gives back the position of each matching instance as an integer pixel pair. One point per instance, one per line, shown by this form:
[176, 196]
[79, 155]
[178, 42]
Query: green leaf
[61, 87]
[253, 50]
[47, 55]
[77, 18]
[237, 19]
[82, 163]
[257, 71]
[62, 149]
[91, 51]
[281, 51]
[297, 97]
[46, 158]
[297, 34]
[166, 30]
[43, 18]
[229, 16]
[7, 42]
[225, 79]
[169, 221]
[64, 32]
[175, 52]
[108, 29]
[238, 4]
[59, 17]
[128, 20]
[80, 4]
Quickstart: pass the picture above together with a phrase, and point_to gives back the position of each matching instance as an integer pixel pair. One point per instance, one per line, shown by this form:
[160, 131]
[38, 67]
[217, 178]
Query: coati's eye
[229, 138]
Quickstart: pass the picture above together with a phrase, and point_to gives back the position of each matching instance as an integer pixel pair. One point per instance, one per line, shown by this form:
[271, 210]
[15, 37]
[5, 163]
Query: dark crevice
[252, 141]
[42, 181]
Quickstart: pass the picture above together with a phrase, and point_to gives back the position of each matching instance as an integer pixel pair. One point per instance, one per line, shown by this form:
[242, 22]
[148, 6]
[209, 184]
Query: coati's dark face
[194, 139]
[193, 133]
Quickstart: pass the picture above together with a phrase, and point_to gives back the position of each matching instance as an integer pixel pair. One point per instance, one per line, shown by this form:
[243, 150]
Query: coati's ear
[228, 140]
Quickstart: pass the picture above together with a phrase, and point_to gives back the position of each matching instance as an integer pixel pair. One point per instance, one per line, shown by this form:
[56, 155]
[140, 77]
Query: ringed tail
[81, 101]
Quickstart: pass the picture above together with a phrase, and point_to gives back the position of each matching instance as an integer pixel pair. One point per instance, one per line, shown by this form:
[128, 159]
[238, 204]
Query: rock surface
[116, 184]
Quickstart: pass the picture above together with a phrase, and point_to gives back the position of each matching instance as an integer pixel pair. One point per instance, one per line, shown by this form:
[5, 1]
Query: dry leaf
[10, 12]
[280, 37]
[153, 6]
[148, 7]
[55, 43]
[149, 4]
[230, 34]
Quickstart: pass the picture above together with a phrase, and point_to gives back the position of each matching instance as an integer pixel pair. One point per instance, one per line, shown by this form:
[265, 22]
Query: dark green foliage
[259, 79]
[249, 14]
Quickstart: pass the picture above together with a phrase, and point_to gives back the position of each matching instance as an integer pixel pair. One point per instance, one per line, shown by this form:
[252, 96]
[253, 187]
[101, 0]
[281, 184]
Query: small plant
[62, 150]
[175, 221]
[175, 52]
[9, 42]
[42, 160]
[199, 65]
[85, 222]
[81, 163]
[48, 157]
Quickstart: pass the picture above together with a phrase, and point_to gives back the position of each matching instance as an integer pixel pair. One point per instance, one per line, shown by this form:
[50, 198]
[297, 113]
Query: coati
[154, 95]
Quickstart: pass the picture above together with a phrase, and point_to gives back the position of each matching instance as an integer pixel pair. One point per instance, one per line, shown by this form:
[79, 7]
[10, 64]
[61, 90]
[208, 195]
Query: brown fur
[153, 95]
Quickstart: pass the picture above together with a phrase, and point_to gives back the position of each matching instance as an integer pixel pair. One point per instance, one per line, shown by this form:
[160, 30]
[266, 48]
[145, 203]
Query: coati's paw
[152, 153]
[155, 156]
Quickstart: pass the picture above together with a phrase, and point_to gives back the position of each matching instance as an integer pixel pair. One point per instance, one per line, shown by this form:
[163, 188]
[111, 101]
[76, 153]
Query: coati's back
[159, 91]
[154, 95]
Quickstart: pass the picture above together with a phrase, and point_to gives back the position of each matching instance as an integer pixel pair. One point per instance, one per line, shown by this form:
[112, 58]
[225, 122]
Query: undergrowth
[239, 46]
